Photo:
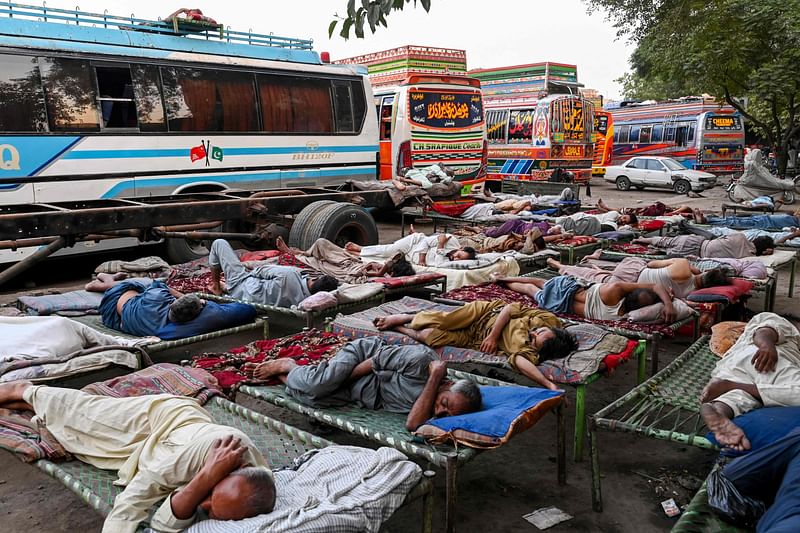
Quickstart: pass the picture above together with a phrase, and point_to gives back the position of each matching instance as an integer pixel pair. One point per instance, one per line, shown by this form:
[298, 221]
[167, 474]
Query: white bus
[95, 106]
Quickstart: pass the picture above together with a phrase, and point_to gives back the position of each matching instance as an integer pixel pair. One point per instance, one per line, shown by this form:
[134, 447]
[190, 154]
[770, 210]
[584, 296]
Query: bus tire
[682, 187]
[623, 183]
[341, 223]
[303, 219]
[184, 250]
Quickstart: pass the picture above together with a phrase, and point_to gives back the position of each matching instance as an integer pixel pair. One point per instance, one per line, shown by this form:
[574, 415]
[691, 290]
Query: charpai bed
[388, 429]
[280, 444]
[360, 325]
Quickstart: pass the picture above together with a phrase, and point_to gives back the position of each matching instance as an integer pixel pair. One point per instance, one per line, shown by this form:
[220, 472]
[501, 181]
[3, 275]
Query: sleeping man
[600, 301]
[762, 369]
[376, 375]
[143, 308]
[735, 245]
[162, 446]
[524, 335]
[419, 249]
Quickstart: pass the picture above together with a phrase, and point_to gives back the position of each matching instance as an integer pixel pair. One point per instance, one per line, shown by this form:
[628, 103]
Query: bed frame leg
[561, 444]
[654, 356]
[427, 512]
[266, 328]
[597, 495]
[451, 494]
[580, 422]
[793, 269]
[641, 362]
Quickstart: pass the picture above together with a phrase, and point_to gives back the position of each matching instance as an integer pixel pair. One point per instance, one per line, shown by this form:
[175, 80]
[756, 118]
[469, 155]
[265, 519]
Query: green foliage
[370, 12]
[735, 50]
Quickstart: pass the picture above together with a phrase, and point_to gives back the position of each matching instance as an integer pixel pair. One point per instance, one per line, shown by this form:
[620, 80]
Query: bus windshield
[442, 109]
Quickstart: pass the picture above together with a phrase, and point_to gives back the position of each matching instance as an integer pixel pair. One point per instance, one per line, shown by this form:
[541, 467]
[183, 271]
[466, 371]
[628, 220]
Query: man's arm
[422, 409]
[442, 241]
[216, 286]
[528, 369]
[364, 368]
[489, 344]
[176, 294]
[793, 235]
[619, 290]
[766, 358]
[225, 457]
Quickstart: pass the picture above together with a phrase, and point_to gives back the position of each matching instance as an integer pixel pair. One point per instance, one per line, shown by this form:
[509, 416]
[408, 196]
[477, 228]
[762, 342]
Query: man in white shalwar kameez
[419, 249]
[162, 446]
[762, 369]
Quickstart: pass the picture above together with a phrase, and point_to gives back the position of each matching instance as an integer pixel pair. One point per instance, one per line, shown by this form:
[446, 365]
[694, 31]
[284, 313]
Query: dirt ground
[498, 487]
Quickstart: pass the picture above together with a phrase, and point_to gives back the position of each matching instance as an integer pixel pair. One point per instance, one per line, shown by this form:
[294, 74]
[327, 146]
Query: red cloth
[651, 225]
[306, 348]
[630, 248]
[259, 255]
[578, 240]
[613, 360]
[452, 208]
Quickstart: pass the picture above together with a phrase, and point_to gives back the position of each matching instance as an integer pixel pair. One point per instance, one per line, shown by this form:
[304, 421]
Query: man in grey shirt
[375, 375]
[281, 286]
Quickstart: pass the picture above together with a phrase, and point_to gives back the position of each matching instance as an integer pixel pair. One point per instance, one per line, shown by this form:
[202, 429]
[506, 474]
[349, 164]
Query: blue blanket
[501, 407]
[755, 221]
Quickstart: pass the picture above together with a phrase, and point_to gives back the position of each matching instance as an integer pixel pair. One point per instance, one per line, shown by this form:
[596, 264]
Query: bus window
[520, 126]
[117, 108]
[681, 132]
[359, 105]
[496, 122]
[147, 91]
[624, 131]
[295, 105]
[21, 95]
[386, 118]
[70, 94]
[690, 137]
[658, 133]
[645, 134]
[345, 123]
[634, 135]
[669, 133]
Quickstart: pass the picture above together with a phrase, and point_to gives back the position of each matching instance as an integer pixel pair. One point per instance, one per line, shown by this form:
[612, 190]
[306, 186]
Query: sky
[493, 32]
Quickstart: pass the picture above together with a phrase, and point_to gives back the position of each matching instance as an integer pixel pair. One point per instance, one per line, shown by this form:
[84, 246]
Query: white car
[658, 172]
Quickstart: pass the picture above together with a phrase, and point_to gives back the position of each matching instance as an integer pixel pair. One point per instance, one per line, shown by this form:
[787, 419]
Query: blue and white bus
[96, 106]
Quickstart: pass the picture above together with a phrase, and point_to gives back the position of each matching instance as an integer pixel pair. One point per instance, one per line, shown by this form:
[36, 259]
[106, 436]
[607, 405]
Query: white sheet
[341, 489]
[456, 278]
[76, 365]
[776, 260]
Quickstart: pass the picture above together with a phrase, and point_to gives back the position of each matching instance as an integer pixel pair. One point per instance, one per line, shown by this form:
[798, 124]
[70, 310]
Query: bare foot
[553, 263]
[392, 321]
[281, 246]
[716, 388]
[728, 434]
[352, 247]
[273, 368]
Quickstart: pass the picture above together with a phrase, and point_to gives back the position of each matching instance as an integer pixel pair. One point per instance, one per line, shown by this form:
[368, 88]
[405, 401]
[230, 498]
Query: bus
[604, 142]
[699, 133]
[433, 120]
[529, 142]
[108, 107]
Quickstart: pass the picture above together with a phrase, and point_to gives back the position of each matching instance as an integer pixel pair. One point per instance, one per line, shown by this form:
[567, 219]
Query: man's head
[716, 277]
[628, 220]
[401, 267]
[638, 298]
[185, 308]
[552, 343]
[323, 283]
[457, 398]
[247, 492]
[465, 252]
[764, 245]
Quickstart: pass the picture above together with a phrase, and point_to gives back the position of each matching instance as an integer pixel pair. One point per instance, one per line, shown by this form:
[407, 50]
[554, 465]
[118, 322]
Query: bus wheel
[303, 219]
[623, 183]
[185, 250]
[682, 187]
[341, 223]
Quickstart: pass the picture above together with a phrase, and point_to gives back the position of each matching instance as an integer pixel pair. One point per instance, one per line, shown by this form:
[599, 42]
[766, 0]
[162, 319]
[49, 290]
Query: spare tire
[303, 219]
[341, 223]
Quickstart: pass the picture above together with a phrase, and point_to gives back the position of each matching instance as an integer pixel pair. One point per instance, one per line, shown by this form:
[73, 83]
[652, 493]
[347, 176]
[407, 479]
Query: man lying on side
[762, 369]
[162, 446]
[376, 375]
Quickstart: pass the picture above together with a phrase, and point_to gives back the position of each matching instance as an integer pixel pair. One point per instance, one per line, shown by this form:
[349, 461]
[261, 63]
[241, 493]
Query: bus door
[385, 110]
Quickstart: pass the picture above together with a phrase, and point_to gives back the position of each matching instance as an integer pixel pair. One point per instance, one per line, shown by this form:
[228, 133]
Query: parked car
[658, 172]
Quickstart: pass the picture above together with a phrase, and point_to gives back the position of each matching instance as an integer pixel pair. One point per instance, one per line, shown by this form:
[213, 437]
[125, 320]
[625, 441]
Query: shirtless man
[601, 301]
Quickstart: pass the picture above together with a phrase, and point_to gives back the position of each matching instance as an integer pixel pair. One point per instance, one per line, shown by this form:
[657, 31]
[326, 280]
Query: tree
[371, 12]
[737, 50]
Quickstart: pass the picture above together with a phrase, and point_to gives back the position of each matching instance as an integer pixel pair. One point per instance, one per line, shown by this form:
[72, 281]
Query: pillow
[725, 293]
[753, 270]
[213, 317]
[468, 264]
[505, 412]
[348, 293]
[763, 427]
[318, 301]
[655, 313]
[724, 335]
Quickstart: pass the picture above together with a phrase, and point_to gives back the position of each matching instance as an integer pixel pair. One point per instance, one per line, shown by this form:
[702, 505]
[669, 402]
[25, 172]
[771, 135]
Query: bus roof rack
[175, 34]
